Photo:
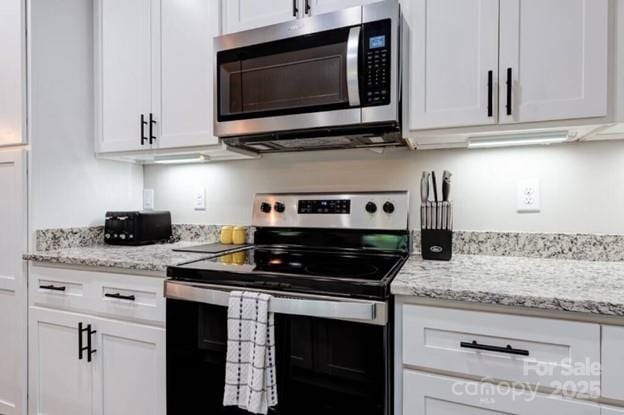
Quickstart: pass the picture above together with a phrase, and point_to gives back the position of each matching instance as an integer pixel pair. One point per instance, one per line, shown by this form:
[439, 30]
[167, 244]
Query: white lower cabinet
[426, 394]
[60, 382]
[612, 411]
[130, 368]
[121, 369]
[613, 362]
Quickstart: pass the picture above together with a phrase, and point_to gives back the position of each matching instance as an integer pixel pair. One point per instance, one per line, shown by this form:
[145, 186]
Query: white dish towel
[250, 367]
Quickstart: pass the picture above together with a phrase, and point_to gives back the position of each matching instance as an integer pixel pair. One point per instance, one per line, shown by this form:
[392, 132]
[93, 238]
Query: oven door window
[327, 367]
[297, 75]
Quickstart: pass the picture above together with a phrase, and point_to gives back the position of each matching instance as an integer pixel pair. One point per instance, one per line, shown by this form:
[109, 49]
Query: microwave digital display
[324, 206]
[377, 42]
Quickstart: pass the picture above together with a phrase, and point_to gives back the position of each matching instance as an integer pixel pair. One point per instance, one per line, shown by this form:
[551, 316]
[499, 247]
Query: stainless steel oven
[328, 81]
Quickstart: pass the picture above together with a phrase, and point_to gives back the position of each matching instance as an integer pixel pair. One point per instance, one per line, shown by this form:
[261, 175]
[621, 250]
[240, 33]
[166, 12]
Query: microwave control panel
[376, 65]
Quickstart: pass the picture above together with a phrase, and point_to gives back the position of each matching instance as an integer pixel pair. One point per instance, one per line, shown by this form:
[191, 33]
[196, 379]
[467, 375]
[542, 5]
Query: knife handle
[435, 186]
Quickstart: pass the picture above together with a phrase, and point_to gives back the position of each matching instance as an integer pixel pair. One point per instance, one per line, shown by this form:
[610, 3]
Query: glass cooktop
[331, 272]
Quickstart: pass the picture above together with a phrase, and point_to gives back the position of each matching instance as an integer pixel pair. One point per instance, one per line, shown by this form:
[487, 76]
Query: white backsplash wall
[582, 184]
[69, 186]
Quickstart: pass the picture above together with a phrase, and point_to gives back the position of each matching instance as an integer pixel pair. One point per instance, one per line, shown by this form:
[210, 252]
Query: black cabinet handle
[308, 7]
[490, 97]
[151, 128]
[143, 124]
[295, 8]
[120, 297]
[508, 350]
[90, 350]
[509, 90]
[81, 348]
[53, 287]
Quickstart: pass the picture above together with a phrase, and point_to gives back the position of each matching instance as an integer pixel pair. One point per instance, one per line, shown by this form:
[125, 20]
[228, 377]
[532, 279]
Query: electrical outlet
[148, 199]
[199, 201]
[528, 195]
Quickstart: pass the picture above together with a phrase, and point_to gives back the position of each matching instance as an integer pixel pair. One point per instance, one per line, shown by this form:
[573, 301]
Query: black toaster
[137, 227]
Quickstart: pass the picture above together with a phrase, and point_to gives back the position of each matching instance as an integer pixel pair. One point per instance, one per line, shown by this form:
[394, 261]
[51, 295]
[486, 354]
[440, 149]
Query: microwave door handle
[353, 76]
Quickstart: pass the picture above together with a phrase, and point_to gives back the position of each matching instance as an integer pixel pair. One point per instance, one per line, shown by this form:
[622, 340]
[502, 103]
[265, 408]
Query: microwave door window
[284, 80]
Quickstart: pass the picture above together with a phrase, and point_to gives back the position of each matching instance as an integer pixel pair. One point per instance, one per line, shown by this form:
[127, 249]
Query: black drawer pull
[53, 287]
[90, 350]
[508, 350]
[295, 8]
[81, 349]
[143, 124]
[152, 122]
[121, 297]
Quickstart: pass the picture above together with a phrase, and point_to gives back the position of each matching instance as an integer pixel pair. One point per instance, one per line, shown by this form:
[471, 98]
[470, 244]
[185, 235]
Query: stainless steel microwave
[323, 82]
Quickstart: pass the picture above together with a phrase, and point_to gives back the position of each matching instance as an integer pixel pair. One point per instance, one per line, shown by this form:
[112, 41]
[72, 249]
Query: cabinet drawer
[57, 289]
[127, 297]
[425, 394]
[612, 362]
[551, 353]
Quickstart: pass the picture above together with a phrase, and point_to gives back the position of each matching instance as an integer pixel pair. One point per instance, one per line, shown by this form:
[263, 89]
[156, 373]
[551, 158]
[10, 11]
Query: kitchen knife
[435, 186]
[439, 215]
[424, 188]
[429, 215]
[446, 185]
[444, 215]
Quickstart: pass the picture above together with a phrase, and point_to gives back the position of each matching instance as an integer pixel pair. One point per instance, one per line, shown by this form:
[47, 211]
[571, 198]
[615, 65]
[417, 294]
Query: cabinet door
[124, 81]
[131, 368]
[425, 394]
[241, 15]
[612, 362]
[452, 62]
[13, 338]
[60, 383]
[12, 75]
[554, 53]
[328, 6]
[185, 109]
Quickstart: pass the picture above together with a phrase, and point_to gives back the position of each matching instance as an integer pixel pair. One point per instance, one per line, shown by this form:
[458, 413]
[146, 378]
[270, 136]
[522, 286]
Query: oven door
[289, 81]
[333, 355]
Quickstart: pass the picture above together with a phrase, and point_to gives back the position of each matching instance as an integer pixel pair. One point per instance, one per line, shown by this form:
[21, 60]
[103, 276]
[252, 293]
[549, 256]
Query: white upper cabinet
[125, 73]
[315, 7]
[12, 283]
[555, 54]
[239, 15]
[452, 63]
[154, 74]
[185, 112]
[12, 74]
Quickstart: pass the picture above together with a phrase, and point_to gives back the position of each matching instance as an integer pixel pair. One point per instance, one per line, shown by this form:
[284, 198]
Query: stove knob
[371, 207]
[107, 236]
[122, 236]
[279, 207]
[265, 207]
[388, 207]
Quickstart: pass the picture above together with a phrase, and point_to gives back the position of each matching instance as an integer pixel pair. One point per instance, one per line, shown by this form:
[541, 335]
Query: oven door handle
[371, 312]
[353, 63]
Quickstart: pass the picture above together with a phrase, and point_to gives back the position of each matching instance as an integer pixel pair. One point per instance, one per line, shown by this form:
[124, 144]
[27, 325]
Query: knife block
[436, 244]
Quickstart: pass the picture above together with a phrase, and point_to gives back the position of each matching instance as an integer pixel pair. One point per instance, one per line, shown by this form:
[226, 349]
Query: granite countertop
[140, 258]
[551, 284]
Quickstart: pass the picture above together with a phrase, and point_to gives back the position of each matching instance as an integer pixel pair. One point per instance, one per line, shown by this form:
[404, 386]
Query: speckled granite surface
[590, 247]
[142, 258]
[550, 284]
[62, 238]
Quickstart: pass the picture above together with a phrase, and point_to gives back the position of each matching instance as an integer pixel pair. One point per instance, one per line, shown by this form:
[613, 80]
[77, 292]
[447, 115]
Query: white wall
[582, 184]
[69, 187]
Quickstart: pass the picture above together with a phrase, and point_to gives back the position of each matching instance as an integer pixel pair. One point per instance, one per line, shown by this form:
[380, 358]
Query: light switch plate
[528, 195]
[148, 199]
[199, 200]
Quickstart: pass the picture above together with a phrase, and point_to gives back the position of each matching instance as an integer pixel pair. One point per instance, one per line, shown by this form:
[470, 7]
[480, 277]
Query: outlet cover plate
[528, 195]
[199, 199]
[148, 199]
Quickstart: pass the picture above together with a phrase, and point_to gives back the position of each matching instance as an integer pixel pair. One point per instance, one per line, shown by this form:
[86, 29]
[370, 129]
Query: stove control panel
[361, 210]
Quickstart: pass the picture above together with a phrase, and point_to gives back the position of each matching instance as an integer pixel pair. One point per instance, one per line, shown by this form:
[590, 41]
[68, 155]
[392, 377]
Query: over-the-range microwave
[323, 82]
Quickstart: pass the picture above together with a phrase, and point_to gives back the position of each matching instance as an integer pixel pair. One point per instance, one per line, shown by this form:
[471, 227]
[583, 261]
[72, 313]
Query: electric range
[328, 261]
